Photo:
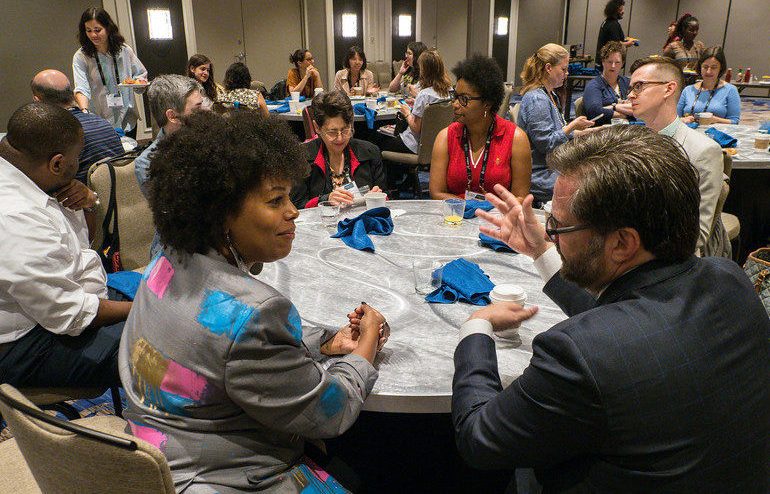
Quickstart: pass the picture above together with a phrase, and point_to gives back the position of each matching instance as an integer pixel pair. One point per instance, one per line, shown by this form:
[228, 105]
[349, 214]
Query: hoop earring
[485, 114]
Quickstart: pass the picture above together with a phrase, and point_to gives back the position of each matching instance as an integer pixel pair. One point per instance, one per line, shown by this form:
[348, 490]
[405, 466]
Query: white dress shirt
[48, 273]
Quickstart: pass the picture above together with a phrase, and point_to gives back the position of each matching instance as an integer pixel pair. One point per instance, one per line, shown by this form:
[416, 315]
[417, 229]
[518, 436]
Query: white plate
[134, 85]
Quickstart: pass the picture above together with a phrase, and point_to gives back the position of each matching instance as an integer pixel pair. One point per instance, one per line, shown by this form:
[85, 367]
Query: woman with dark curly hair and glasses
[480, 149]
[219, 373]
[335, 158]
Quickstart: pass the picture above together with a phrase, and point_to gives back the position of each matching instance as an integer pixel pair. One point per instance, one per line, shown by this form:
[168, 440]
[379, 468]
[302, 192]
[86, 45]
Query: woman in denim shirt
[541, 114]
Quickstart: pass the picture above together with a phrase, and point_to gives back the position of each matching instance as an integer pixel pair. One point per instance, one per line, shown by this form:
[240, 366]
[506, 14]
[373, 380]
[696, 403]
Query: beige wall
[316, 42]
[449, 20]
[531, 35]
[34, 35]
[218, 33]
[748, 32]
[649, 21]
[478, 27]
[271, 35]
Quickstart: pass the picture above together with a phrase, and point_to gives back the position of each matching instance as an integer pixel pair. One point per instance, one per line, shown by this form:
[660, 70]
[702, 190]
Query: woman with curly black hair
[102, 62]
[479, 149]
[218, 371]
[238, 90]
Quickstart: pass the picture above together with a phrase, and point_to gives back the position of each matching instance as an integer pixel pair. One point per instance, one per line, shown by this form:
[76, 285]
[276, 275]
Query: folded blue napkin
[724, 140]
[692, 125]
[361, 109]
[471, 206]
[494, 244]
[382, 99]
[284, 108]
[462, 281]
[126, 282]
[354, 231]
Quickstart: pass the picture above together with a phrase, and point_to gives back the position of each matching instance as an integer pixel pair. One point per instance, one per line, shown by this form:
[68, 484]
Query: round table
[747, 157]
[325, 279]
[383, 114]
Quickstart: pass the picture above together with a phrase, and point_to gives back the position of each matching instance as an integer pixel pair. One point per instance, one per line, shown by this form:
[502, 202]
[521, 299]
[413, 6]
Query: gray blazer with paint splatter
[221, 377]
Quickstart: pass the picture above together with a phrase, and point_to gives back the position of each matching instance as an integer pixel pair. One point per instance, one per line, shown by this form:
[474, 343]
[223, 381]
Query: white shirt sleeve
[473, 326]
[548, 264]
[41, 278]
[80, 74]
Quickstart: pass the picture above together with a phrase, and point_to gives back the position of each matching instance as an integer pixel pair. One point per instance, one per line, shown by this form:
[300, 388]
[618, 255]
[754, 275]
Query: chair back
[579, 108]
[515, 113]
[437, 116]
[382, 73]
[506, 101]
[727, 165]
[397, 66]
[134, 216]
[307, 123]
[67, 457]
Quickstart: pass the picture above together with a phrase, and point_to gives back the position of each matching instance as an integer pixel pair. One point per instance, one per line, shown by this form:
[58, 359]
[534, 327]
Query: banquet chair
[51, 398]
[515, 113]
[86, 455]
[397, 66]
[579, 108]
[16, 477]
[135, 224]
[307, 123]
[506, 101]
[437, 116]
[382, 73]
[731, 222]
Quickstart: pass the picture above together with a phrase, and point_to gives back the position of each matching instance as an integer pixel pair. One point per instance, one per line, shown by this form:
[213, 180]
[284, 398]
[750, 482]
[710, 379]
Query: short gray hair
[170, 92]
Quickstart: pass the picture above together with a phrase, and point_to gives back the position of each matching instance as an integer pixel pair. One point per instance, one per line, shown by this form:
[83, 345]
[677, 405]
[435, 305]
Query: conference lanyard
[101, 73]
[469, 156]
[692, 110]
[553, 97]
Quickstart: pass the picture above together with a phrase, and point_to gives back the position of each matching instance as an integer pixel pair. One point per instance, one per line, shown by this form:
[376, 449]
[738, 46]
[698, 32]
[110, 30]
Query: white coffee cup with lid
[508, 293]
[375, 199]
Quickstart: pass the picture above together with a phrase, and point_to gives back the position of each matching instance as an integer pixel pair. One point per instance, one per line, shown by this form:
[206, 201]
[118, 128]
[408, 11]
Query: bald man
[101, 140]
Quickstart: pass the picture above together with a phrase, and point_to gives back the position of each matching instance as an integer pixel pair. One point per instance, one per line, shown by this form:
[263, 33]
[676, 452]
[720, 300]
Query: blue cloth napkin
[693, 125]
[471, 206]
[462, 281]
[361, 109]
[724, 140]
[382, 99]
[354, 231]
[284, 108]
[494, 244]
[126, 282]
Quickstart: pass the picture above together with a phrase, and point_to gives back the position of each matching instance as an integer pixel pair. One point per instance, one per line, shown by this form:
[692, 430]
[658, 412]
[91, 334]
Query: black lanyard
[101, 73]
[469, 157]
[713, 91]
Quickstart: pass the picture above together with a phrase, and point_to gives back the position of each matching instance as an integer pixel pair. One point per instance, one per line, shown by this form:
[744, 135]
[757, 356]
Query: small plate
[134, 85]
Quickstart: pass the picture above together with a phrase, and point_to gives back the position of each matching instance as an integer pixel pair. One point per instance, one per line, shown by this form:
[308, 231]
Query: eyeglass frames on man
[640, 86]
[462, 98]
[553, 230]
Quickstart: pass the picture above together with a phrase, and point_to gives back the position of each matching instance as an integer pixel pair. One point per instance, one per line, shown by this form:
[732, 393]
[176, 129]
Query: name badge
[474, 196]
[353, 189]
[114, 101]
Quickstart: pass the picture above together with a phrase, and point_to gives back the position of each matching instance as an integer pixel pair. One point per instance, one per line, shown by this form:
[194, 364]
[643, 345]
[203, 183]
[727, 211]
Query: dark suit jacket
[662, 385]
[365, 169]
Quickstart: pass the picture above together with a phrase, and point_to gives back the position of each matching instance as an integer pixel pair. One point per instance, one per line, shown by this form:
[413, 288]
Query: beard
[587, 266]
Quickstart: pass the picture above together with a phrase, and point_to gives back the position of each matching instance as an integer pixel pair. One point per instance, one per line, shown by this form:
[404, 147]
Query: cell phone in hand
[597, 117]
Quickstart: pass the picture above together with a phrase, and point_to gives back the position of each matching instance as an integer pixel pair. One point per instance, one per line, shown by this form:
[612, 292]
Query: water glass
[329, 213]
[453, 210]
[427, 275]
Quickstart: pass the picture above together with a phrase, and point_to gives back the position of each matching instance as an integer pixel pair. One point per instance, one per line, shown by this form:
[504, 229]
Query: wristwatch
[96, 203]
[613, 106]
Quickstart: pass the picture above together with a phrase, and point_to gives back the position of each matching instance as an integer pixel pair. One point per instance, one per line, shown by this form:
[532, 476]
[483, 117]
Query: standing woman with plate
[102, 62]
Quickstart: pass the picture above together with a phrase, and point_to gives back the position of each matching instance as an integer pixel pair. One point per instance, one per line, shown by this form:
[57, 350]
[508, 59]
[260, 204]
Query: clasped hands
[362, 321]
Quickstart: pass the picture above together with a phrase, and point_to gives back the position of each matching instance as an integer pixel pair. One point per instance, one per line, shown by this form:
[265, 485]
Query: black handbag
[401, 124]
[757, 267]
[109, 251]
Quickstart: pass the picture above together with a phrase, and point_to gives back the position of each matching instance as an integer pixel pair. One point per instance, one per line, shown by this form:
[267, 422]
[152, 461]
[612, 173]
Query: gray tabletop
[325, 279]
[747, 157]
[382, 113]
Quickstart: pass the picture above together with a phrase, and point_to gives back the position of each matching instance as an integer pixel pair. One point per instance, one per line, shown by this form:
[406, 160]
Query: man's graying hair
[52, 95]
[170, 91]
[630, 176]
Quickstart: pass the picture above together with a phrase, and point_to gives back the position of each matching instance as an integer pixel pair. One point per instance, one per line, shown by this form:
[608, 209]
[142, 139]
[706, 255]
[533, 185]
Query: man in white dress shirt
[57, 325]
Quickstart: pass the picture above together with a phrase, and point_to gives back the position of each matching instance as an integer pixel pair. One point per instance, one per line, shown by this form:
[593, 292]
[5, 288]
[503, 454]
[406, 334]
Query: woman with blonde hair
[541, 114]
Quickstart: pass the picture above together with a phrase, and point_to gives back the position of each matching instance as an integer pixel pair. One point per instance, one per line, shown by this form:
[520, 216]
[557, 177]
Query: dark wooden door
[343, 43]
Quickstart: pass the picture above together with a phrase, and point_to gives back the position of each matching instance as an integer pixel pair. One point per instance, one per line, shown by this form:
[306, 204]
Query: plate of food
[129, 82]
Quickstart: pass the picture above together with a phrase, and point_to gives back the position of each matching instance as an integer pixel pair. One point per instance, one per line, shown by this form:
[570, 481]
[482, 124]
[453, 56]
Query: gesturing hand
[518, 226]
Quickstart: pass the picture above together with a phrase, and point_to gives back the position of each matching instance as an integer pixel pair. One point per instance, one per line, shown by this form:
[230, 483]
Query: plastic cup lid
[508, 292]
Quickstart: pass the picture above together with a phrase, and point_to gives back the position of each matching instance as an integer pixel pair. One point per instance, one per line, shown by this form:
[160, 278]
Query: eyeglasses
[462, 98]
[553, 230]
[640, 86]
[335, 134]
